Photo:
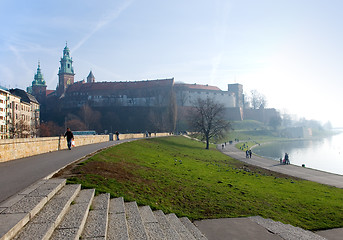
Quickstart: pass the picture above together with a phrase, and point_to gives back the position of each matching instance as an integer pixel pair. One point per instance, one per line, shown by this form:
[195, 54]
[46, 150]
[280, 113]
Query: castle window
[68, 65]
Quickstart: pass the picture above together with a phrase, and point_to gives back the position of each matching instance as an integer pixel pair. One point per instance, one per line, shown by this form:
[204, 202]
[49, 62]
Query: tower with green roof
[38, 88]
[65, 73]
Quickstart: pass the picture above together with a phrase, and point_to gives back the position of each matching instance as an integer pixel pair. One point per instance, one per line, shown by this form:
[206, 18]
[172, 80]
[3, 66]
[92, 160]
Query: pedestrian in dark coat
[70, 137]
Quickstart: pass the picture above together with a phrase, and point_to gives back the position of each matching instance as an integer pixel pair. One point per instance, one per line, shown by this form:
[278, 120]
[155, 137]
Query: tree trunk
[207, 142]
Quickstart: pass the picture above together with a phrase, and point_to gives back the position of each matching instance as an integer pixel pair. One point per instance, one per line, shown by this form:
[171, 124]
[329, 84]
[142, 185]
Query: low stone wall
[11, 149]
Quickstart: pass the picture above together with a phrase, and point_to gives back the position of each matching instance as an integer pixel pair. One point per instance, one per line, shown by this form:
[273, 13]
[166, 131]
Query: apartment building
[23, 114]
[3, 112]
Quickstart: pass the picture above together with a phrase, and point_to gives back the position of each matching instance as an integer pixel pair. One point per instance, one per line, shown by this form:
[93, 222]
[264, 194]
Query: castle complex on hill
[129, 106]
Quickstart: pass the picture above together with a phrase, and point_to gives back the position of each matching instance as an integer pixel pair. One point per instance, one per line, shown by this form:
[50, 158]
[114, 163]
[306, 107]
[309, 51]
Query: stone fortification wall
[262, 115]
[11, 149]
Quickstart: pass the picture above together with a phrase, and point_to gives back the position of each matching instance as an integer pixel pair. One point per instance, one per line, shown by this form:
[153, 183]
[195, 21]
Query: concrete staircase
[286, 231]
[50, 209]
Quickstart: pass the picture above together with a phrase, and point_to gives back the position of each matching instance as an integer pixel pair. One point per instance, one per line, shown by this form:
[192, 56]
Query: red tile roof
[197, 86]
[110, 86]
[48, 92]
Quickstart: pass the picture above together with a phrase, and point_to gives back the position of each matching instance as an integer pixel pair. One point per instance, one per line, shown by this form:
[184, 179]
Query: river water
[324, 154]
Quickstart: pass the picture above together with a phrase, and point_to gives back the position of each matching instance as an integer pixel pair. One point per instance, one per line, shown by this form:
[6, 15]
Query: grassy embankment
[178, 175]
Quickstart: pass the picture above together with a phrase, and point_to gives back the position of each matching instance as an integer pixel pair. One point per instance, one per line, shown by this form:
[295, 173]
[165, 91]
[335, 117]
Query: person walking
[117, 134]
[250, 153]
[70, 137]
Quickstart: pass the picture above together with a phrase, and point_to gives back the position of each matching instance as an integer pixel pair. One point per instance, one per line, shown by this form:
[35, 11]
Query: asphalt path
[292, 170]
[16, 175]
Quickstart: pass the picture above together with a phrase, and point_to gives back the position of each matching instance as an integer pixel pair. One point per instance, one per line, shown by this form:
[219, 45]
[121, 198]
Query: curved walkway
[16, 175]
[292, 170]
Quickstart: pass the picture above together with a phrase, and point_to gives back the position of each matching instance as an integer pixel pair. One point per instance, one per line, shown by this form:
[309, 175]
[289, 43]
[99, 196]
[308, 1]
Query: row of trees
[123, 119]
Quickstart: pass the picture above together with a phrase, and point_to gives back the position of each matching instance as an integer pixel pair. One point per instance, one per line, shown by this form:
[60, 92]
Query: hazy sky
[289, 50]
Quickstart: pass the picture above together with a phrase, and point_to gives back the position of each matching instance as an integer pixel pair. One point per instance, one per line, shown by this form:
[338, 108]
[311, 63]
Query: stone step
[179, 227]
[117, 225]
[134, 222]
[45, 222]
[17, 211]
[50, 209]
[151, 225]
[96, 224]
[74, 221]
[169, 232]
[192, 229]
[285, 231]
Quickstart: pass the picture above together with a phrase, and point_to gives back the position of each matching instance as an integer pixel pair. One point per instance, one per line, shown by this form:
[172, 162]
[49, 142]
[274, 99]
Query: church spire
[38, 79]
[66, 72]
[90, 78]
[38, 88]
[66, 62]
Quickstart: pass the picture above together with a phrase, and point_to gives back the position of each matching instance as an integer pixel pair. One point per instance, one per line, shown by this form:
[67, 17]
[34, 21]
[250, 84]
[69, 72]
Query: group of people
[248, 153]
[285, 160]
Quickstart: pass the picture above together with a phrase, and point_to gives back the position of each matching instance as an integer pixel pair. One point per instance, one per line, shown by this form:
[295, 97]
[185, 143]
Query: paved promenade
[292, 170]
[17, 175]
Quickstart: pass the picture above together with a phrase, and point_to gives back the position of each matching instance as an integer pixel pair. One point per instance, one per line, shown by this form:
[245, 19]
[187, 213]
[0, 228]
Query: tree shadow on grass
[177, 144]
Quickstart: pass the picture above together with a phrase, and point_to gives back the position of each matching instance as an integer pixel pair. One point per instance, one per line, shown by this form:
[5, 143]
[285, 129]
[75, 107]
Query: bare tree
[275, 122]
[90, 117]
[49, 129]
[19, 129]
[76, 125]
[207, 119]
[257, 99]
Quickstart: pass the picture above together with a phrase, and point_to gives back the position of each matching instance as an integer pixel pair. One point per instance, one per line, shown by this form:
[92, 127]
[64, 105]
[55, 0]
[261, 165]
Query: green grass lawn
[176, 174]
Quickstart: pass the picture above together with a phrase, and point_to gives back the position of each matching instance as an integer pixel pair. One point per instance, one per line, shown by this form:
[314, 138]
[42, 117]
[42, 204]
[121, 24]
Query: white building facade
[188, 94]
[4, 96]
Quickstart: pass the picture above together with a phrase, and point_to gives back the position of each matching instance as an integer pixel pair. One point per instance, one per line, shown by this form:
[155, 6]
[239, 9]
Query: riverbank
[178, 175]
[323, 154]
[314, 175]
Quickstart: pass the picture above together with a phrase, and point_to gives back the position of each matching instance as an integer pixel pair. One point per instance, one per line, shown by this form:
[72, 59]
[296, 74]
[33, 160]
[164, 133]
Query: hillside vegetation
[176, 174]
[258, 132]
